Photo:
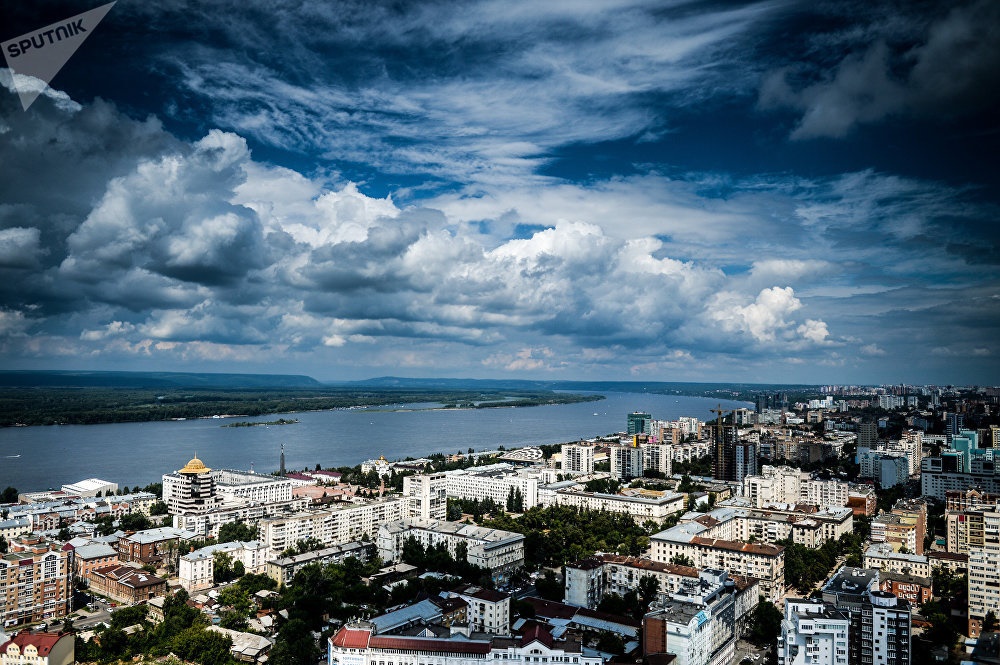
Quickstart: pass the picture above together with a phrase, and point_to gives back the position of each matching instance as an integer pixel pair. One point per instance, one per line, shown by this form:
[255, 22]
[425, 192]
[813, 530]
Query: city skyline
[767, 192]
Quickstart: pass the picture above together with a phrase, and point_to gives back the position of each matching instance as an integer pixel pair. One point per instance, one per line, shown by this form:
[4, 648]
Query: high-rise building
[640, 423]
[658, 457]
[813, 633]
[984, 571]
[426, 496]
[626, 462]
[191, 490]
[867, 435]
[879, 633]
[724, 440]
[953, 424]
[36, 581]
[578, 458]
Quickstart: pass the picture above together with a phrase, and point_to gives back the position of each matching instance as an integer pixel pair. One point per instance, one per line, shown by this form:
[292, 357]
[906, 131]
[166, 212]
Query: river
[37, 458]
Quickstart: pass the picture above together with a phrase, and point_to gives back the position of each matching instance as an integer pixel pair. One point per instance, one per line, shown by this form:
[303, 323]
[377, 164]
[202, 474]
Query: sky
[778, 192]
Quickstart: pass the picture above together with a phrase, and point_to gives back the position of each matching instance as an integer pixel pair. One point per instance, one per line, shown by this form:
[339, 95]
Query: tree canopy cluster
[183, 632]
[556, 535]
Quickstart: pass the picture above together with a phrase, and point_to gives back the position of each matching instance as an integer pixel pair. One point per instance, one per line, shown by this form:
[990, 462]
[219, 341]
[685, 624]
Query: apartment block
[334, 525]
[639, 508]
[882, 557]
[813, 633]
[626, 461]
[426, 496]
[196, 570]
[984, 572]
[494, 482]
[494, 549]
[36, 580]
[697, 624]
[578, 459]
[940, 475]
[658, 457]
[763, 561]
[283, 569]
[880, 628]
[487, 611]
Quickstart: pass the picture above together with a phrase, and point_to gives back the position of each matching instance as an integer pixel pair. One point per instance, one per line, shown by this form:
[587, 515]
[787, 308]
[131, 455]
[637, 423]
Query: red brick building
[126, 584]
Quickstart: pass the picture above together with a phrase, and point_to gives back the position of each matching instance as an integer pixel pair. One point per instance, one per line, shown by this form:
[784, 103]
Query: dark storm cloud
[921, 63]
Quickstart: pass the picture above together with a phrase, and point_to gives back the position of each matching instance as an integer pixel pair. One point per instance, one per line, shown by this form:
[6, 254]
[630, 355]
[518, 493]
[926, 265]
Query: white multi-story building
[774, 484]
[984, 572]
[783, 484]
[578, 458]
[488, 611]
[588, 581]
[639, 508]
[880, 621]
[813, 633]
[335, 525]
[91, 488]
[358, 645]
[881, 556]
[658, 457]
[626, 462]
[190, 491]
[196, 570]
[426, 496]
[283, 569]
[697, 624]
[492, 482]
[763, 561]
[824, 492]
[494, 549]
[252, 487]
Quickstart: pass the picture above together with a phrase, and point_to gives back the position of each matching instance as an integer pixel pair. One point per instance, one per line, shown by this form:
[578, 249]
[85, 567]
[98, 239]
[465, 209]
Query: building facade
[578, 459]
[426, 496]
[813, 633]
[36, 581]
[494, 549]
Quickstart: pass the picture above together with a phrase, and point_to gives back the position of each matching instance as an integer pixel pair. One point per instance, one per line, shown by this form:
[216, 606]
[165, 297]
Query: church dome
[195, 466]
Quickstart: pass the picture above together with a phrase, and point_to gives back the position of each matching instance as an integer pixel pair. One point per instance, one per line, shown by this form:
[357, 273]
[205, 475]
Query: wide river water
[38, 458]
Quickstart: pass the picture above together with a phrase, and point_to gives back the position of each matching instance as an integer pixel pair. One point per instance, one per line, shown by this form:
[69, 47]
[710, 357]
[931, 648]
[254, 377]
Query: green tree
[548, 587]
[765, 624]
[682, 560]
[158, 508]
[989, 622]
[236, 531]
[9, 495]
[648, 588]
[222, 567]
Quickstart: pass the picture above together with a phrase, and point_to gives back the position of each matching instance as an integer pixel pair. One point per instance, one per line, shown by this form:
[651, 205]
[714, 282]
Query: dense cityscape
[856, 526]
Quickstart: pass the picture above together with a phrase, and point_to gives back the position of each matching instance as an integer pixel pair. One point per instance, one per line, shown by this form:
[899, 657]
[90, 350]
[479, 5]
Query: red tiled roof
[351, 638]
[535, 632]
[550, 609]
[738, 546]
[428, 644]
[42, 641]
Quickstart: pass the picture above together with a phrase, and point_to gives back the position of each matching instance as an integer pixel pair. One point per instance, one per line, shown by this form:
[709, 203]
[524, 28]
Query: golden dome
[195, 466]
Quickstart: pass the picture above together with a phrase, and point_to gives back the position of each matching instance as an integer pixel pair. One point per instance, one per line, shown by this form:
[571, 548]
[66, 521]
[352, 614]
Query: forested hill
[87, 379]
[725, 390]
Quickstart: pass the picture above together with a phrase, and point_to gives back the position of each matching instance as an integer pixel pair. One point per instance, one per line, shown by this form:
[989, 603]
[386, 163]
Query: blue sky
[773, 192]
